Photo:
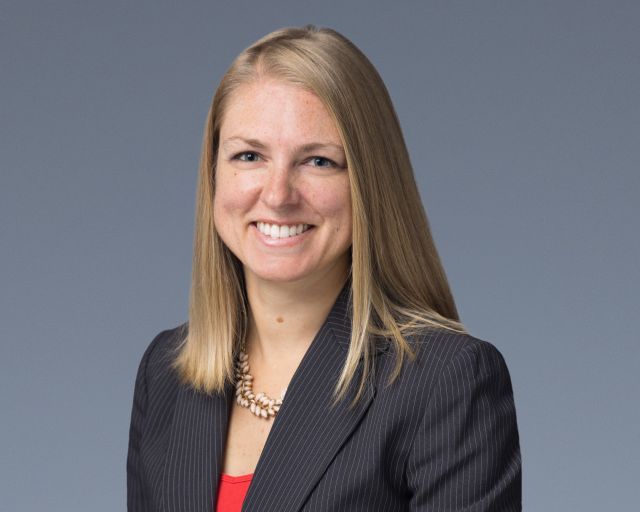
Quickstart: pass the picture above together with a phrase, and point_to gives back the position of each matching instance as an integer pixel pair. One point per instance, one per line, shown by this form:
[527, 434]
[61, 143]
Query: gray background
[522, 119]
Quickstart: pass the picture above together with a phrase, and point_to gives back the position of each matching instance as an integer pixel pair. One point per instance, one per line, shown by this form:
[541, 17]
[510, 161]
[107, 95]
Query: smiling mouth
[277, 231]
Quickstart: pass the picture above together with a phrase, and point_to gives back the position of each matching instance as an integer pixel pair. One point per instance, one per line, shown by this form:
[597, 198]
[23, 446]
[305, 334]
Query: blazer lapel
[304, 438]
[195, 451]
[307, 433]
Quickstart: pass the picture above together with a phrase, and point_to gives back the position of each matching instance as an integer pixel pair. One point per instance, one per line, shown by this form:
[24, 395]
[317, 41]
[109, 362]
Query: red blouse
[231, 492]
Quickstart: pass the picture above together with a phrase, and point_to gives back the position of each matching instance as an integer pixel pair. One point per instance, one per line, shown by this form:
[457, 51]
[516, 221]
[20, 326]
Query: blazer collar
[304, 438]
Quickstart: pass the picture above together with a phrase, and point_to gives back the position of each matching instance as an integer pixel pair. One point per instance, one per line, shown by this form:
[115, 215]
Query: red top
[231, 492]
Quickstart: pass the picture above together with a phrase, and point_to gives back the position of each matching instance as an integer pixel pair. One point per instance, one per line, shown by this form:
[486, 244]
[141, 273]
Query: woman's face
[282, 201]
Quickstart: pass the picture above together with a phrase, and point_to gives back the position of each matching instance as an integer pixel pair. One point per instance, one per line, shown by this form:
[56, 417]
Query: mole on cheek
[279, 319]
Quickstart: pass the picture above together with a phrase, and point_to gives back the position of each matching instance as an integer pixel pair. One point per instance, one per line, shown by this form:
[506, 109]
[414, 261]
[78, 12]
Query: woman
[323, 366]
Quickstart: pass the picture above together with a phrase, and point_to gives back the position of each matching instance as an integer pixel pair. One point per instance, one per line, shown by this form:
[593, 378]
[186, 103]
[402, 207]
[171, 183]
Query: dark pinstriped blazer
[442, 437]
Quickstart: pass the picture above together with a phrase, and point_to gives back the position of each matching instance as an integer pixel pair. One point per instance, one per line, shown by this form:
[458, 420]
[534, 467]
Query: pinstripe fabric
[442, 437]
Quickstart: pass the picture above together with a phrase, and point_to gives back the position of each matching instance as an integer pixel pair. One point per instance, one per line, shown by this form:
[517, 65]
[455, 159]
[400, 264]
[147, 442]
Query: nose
[279, 189]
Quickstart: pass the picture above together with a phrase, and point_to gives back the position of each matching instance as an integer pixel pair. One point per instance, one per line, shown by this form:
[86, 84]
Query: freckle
[279, 319]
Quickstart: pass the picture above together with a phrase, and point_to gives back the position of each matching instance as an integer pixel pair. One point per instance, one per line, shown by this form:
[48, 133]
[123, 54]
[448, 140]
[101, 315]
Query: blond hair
[398, 285]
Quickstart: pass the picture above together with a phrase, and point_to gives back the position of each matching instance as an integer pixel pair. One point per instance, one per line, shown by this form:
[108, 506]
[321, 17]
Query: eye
[250, 156]
[321, 161]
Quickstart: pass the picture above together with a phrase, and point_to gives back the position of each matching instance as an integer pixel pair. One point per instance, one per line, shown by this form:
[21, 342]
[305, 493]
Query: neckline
[235, 479]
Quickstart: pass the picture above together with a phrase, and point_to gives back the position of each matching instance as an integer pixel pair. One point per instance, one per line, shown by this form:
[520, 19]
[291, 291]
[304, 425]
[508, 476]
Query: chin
[283, 272]
[279, 276]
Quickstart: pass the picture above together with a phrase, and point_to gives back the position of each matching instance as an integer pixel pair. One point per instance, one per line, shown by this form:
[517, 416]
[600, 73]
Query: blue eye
[253, 156]
[330, 163]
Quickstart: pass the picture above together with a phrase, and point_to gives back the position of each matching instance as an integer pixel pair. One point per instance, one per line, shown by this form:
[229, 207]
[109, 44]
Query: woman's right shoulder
[156, 362]
[156, 386]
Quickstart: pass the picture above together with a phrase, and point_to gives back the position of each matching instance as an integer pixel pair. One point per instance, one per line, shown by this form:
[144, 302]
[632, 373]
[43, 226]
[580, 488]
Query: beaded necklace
[259, 404]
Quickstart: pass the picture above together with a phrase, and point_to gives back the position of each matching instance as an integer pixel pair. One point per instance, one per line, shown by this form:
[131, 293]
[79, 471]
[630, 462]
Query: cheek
[334, 204]
[346, 216]
[338, 202]
[231, 196]
[227, 205]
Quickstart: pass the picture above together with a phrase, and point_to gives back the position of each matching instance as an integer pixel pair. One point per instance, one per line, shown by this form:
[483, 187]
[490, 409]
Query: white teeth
[276, 231]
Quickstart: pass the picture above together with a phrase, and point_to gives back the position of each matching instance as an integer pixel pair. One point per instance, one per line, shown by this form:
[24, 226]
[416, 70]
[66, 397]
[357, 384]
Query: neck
[285, 317]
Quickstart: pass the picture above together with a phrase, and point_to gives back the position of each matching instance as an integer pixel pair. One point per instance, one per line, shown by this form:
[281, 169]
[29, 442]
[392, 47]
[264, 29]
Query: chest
[246, 437]
[317, 458]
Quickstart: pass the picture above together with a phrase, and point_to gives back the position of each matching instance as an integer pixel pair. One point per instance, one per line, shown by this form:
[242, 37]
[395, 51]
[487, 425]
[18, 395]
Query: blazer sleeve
[135, 486]
[466, 453]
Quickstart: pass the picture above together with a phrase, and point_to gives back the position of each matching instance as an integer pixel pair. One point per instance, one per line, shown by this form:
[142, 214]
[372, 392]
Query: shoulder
[156, 381]
[436, 347]
[464, 434]
[156, 363]
[441, 347]
[162, 350]
[445, 358]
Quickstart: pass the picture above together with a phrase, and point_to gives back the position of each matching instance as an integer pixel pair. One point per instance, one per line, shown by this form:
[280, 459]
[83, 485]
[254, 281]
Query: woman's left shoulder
[441, 351]
[462, 423]
[447, 345]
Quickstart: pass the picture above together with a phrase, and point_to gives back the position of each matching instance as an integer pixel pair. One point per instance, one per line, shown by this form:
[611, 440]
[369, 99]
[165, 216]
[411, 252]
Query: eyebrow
[310, 146]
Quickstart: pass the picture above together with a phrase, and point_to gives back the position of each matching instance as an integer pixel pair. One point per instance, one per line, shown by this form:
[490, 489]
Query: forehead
[274, 109]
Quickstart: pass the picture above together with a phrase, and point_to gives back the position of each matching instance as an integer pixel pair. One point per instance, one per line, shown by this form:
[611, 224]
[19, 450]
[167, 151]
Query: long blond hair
[398, 285]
